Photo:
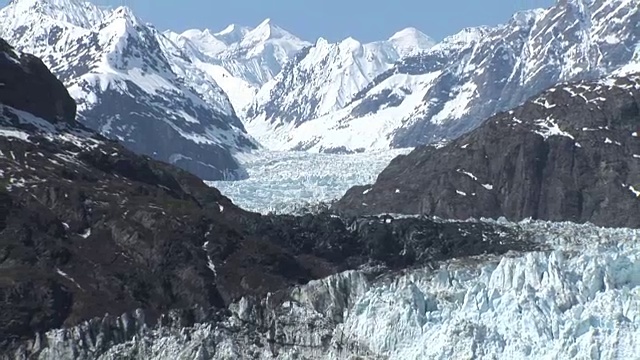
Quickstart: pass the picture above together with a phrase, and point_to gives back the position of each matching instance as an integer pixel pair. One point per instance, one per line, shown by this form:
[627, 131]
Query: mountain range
[199, 97]
[89, 228]
[180, 97]
[133, 84]
[446, 89]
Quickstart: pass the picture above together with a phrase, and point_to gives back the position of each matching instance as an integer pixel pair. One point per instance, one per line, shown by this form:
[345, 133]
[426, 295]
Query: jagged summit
[76, 12]
[265, 31]
[241, 59]
[232, 33]
[122, 22]
[123, 12]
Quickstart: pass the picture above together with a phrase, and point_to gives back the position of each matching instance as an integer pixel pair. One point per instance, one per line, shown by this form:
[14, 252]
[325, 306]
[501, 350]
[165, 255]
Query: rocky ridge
[571, 153]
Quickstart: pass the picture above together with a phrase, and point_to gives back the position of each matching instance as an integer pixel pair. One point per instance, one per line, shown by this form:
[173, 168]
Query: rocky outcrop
[570, 154]
[27, 84]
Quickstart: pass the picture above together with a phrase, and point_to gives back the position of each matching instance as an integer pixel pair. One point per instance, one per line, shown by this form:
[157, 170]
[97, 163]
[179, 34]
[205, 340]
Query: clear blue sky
[365, 20]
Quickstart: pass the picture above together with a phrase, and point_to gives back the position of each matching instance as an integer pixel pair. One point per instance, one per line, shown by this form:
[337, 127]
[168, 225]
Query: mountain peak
[122, 13]
[266, 30]
[229, 29]
[410, 41]
[233, 33]
[76, 12]
[322, 42]
[409, 32]
[350, 43]
[265, 22]
[208, 43]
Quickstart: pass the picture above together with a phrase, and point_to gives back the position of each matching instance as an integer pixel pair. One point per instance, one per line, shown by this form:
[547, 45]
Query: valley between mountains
[247, 194]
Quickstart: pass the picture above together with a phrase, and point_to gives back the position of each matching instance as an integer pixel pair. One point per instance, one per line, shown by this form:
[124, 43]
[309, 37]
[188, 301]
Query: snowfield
[280, 182]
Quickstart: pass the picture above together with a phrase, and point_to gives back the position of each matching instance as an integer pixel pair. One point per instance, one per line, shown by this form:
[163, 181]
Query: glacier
[578, 296]
[286, 181]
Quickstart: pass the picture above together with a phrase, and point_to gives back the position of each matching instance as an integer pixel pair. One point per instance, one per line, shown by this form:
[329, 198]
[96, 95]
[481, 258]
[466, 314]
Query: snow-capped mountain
[322, 79]
[410, 41]
[451, 88]
[240, 59]
[132, 83]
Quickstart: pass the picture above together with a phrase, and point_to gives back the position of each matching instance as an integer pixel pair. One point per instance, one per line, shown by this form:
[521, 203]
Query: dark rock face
[569, 154]
[27, 84]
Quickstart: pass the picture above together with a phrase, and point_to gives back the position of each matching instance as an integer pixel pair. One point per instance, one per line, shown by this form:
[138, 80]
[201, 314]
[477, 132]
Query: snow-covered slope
[240, 59]
[132, 83]
[321, 80]
[455, 85]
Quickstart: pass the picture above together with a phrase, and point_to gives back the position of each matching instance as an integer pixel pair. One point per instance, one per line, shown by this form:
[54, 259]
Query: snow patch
[549, 127]
[487, 186]
[66, 276]
[468, 174]
[86, 233]
[14, 133]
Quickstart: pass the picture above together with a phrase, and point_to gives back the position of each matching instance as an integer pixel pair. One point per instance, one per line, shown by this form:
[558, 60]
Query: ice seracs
[575, 297]
[285, 182]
